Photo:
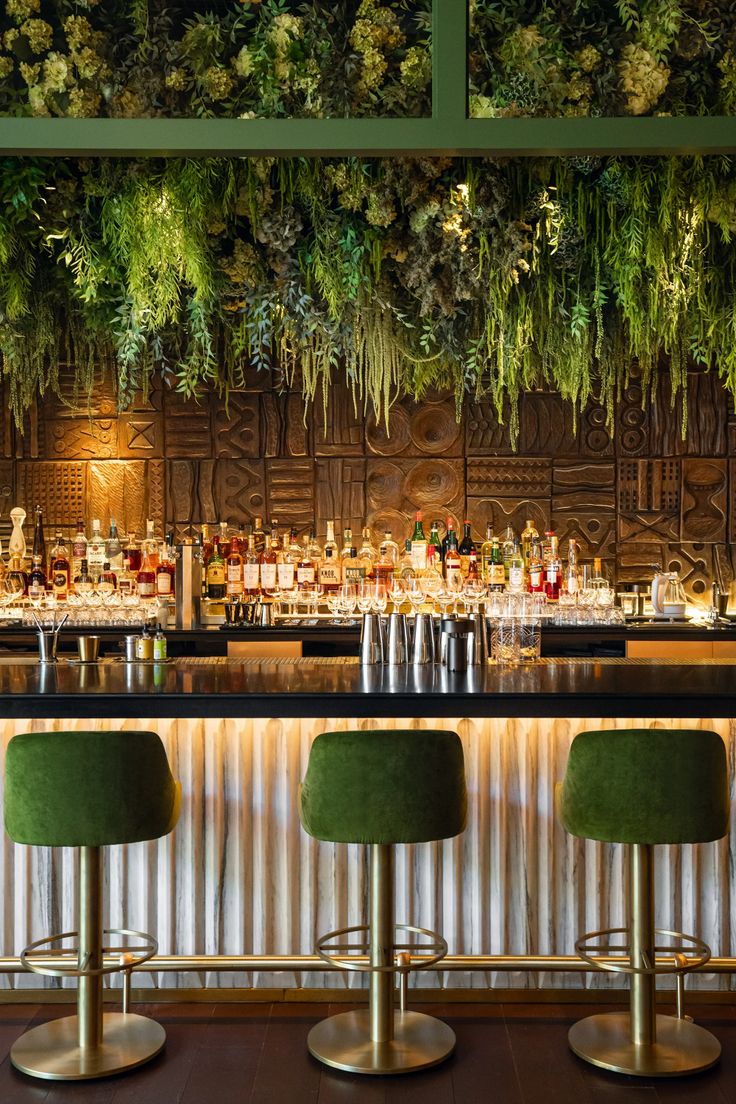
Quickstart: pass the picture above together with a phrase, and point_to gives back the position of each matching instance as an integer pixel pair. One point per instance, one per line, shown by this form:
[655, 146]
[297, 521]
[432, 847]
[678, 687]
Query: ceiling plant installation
[402, 274]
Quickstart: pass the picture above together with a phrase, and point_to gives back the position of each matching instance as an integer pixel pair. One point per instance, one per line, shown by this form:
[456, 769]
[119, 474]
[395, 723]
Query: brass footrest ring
[685, 959]
[438, 945]
[133, 956]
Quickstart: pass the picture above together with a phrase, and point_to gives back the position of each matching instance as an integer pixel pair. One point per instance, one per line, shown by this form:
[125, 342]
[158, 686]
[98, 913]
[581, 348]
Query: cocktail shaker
[422, 644]
[371, 639]
[397, 641]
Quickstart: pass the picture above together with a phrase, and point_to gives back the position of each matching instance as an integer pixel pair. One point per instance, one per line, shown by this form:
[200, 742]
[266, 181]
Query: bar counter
[238, 876]
[219, 687]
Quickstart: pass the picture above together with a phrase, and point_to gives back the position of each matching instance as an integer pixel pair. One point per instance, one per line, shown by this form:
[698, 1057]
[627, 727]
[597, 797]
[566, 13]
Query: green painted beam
[449, 61]
[367, 137]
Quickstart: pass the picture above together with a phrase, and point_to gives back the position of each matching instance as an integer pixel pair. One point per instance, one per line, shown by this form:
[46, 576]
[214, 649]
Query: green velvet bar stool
[88, 790]
[643, 787]
[383, 788]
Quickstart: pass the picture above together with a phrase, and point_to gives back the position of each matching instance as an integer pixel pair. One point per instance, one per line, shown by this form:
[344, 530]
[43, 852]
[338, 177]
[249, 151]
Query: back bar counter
[238, 876]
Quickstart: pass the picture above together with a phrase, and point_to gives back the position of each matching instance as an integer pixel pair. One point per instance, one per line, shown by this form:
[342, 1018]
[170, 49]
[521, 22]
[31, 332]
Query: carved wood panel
[704, 499]
[422, 429]
[7, 498]
[283, 429]
[290, 492]
[395, 489]
[214, 490]
[649, 500]
[127, 490]
[60, 489]
[502, 512]
[706, 419]
[342, 431]
[339, 493]
[517, 477]
[584, 505]
[484, 434]
[79, 439]
[632, 420]
[237, 426]
[141, 436]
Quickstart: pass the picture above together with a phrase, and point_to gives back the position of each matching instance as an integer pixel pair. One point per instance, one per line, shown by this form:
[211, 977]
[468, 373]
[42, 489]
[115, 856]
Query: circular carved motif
[398, 523]
[383, 485]
[432, 481]
[434, 429]
[389, 441]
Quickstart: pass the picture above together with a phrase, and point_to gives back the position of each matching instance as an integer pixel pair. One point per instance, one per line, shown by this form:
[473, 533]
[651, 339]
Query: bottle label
[536, 576]
[354, 574]
[286, 576]
[146, 588]
[516, 575]
[215, 574]
[329, 573]
[464, 565]
[251, 576]
[163, 583]
[305, 575]
[60, 582]
[268, 576]
[419, 555]
[234, 573]
[497, 575]
[159, 647]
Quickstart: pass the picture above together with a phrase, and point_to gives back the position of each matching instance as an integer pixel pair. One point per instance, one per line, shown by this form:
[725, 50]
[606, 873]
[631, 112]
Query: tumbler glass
[506, 642]
[530, 639]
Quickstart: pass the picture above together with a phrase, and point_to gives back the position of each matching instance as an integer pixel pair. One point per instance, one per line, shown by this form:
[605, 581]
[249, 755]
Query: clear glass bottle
[36, 580]
[517, 574]
[528, 535]
[507, 550]
[406, 569]
[269, 561]
[132, 553]
[79, 548]
[251, 569]
[114, 549]
[108, 580]
[146, 577]
[485, 554]
[571, 580]
[367, 554]
[127, 584]
[96, 549]
[497, 572]
[330, 574]
[83, 581]
[388, 559]
[166, 570]
[259, 535]
[151, 545]
[552, 570]
[536, 567]
[308, 563]
[453, 563]
[288, 558]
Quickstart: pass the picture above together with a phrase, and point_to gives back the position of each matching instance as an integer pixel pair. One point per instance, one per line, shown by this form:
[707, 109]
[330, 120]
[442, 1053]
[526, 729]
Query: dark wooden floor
[256, 1054]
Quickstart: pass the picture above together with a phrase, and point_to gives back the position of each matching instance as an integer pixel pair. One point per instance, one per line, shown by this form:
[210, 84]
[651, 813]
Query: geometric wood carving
[649, 486]
[59, 488]
[704, 500]
[632, 419]
[422, 429]
[520, 477]
[237, 426]
[583, 506]
[80, 439]
[484, 434]
[141, 436]
[290, 492]
[395, 489]
[342, 432]
[502, 512]
[283, 431]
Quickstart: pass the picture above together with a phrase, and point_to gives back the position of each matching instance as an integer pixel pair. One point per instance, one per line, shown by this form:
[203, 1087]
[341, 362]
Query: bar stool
[642, 787]
[383, 788]
[88, 790]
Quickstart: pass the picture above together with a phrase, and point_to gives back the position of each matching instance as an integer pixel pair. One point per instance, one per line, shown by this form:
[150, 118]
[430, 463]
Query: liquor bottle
[453, 563]
[96, 552]
[330, 575]
[234, 570]
[127, 584]
[497, 572]
[473, 574]
[367, 555]
[485, 554]
[83, 581]
[406, 568]
[251, 569]
[224, 540]
[465, 547]
[151, 546]
[599, 580]
[215, 572]
[114, 549]
[536, 567]
[507, 550]
[516, 569]
[206, 543]
[59, 570]
[268, 560]
[39, 541]
[238, 541]
[434, 541]
[528, 535]
[433, 570]
[308, 563]
[146, 577]
[388, 559]
[79, 548]
[132, 553]
[275, 542]
[571, 581]
[352, 569]
[36, 580]
[108, 580]
[418, 544]
[259, 535]
[288, 558]
[166, 570]
[449, 528]
[552, 570]
[547, 545]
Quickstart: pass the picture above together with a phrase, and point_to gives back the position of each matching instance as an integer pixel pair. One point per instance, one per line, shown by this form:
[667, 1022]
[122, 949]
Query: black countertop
[338, 687]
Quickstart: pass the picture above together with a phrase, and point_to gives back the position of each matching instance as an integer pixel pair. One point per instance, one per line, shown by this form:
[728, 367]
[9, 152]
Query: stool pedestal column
[90, 946]
[382, 938]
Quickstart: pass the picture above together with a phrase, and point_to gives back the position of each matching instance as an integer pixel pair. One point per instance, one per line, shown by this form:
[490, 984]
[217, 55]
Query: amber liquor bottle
[60, 569]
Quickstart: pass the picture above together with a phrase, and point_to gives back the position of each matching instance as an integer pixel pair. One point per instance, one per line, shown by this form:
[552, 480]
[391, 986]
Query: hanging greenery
[401, 275]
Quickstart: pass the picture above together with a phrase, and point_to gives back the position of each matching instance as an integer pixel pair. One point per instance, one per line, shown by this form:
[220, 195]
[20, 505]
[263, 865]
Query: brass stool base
[344, 1042]
[681, 1047]
[52, 1050]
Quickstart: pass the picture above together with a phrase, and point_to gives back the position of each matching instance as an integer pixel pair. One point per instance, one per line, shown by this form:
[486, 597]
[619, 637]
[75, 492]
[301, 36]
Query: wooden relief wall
[639, 497]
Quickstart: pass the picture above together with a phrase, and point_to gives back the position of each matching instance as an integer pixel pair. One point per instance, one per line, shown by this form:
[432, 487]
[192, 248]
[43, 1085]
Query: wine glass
[366, 596]
[415, 594]
[397, 592]
[380, 598]
[348, 600]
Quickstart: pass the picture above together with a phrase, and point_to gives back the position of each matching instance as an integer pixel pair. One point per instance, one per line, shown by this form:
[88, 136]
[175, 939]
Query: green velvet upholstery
[88, 789]
[384, 787]
[649, 785]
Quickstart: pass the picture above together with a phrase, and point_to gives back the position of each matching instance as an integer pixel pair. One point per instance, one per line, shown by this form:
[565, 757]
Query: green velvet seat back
[88, 789]
[384, 787]
[649, 785]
